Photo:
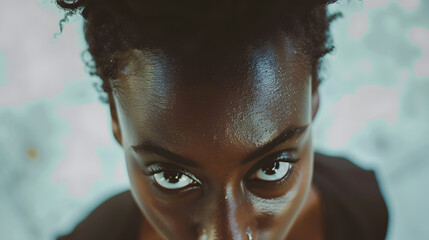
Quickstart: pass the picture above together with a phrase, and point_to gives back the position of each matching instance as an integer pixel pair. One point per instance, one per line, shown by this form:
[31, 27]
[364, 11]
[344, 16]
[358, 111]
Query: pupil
[172, 177]
[271, 168]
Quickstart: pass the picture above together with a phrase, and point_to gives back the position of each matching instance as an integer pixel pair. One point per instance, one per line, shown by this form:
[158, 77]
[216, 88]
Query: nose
[231, 219]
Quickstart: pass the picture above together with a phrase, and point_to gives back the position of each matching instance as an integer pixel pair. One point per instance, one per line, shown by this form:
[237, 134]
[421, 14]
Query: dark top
[352, 207]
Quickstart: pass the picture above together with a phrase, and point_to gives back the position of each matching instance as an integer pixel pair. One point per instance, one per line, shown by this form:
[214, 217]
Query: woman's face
[218, 149]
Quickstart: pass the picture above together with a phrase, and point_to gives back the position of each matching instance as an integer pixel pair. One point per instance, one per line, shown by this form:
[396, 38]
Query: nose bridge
[233, 216]
[233, 211]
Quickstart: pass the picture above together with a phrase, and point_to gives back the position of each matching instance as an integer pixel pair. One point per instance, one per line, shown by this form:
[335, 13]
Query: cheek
[276, 216]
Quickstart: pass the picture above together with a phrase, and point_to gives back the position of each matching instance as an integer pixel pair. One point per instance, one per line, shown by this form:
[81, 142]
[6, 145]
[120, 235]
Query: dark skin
[220, 149]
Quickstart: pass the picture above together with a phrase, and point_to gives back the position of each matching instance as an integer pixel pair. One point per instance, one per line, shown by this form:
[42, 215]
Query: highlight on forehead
[255, 73]
[247, 102]
[162, 64]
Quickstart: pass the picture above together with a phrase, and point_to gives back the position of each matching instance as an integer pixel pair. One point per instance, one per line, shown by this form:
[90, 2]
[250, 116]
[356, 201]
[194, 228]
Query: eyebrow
[284, 136]
[150, 147]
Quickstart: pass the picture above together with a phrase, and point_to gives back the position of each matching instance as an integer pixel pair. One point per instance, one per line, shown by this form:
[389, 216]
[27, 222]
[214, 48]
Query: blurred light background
[58, 158]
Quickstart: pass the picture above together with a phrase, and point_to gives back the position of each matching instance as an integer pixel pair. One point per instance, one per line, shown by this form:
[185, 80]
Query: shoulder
[116, 218]
[353, 206]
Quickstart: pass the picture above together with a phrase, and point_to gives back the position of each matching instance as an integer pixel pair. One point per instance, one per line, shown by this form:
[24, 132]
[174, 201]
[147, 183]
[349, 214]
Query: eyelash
[275, 157]
[159, 168]
[272, 158]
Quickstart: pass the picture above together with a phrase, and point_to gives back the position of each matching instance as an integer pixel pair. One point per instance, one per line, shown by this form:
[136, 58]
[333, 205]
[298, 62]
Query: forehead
[245, 98]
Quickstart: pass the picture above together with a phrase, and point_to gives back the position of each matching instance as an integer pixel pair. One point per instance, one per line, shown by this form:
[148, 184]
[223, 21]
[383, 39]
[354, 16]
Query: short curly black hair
[114, 26]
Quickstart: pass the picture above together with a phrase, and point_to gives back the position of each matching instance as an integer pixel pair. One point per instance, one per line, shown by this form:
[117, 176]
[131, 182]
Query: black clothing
[352, 207]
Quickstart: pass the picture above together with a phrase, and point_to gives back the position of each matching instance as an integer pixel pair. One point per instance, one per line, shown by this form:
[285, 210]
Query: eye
[273, 171]
[172, 179]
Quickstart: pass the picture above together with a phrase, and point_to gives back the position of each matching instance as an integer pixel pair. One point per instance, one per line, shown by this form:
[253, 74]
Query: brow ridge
[152, 148]
[284, 136]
